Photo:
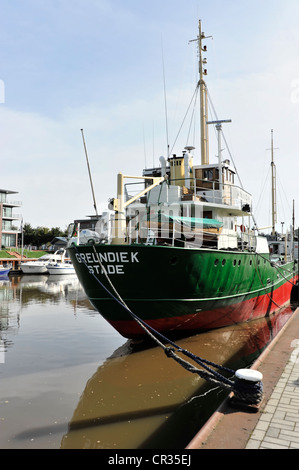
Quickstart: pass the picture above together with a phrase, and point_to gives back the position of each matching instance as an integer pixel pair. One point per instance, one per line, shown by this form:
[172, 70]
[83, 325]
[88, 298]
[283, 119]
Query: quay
[275, 424]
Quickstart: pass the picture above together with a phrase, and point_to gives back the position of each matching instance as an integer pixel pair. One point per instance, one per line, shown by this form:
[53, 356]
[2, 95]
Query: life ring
[243, 228]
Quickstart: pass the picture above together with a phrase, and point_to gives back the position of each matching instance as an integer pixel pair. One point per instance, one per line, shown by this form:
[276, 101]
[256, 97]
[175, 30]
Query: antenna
[219, 130]
[273, 170]
[94, 200]
[165, 100]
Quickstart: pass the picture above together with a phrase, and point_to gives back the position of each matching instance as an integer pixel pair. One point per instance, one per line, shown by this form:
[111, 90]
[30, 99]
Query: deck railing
[195, 189]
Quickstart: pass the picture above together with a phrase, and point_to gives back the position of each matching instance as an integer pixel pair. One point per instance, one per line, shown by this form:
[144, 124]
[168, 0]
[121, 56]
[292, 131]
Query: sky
[112, 68]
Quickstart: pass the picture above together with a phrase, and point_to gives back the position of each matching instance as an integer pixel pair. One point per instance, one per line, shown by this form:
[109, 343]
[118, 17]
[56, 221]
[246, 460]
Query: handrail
[208, 190]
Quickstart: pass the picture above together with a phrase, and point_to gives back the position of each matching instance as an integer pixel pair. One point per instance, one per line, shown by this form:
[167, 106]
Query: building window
[3, 197]
[7, 225]
[7, 212]
[9, 240]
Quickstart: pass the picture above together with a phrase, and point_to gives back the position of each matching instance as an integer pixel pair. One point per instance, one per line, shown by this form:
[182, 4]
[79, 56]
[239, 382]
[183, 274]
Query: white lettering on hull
[112, 261]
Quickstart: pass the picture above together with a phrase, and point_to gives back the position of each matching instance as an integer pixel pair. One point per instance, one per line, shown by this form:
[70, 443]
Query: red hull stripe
[253, 308]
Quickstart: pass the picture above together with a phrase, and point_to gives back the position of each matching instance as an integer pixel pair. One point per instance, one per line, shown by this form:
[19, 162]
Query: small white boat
[4, 270]
[62, 266]
[39, 266]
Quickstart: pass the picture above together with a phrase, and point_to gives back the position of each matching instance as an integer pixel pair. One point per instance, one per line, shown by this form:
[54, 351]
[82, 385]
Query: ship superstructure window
[208, 175]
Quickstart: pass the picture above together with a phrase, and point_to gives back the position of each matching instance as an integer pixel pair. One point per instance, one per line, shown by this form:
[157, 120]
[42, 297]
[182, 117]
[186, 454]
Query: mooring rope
[279, 268]
[245, 391]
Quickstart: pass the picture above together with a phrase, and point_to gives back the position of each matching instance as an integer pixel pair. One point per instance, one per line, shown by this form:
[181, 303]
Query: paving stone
[278, 426]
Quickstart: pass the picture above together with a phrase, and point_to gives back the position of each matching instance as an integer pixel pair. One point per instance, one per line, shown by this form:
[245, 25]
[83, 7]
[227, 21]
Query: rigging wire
[165, 100]
[281, 189]
[230, 154]
[266, 181]
[186, 114]
[192, 116]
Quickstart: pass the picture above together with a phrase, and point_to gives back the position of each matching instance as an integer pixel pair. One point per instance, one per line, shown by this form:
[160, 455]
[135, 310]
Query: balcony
[12, 203]
[11, 217]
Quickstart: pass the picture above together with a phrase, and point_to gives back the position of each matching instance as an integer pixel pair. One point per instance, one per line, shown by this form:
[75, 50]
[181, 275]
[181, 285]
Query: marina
[69, 380]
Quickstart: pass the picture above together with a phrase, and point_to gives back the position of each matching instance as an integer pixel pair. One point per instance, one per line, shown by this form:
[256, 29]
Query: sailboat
[181, 255]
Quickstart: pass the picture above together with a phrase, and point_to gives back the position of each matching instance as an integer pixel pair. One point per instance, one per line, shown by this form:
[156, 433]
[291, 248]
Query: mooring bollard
[248, 388]
[249, 375]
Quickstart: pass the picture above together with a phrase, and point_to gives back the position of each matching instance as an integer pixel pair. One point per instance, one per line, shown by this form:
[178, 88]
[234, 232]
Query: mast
[273, 167]
[203, 101]
[203, 97]
[90, 178]
[293, 231]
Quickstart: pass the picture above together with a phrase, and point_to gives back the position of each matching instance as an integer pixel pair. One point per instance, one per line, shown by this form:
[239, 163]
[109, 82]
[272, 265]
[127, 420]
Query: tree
[40, 235]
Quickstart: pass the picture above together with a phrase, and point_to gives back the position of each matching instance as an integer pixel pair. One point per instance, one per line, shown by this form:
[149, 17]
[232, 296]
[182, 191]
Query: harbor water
[68, 380]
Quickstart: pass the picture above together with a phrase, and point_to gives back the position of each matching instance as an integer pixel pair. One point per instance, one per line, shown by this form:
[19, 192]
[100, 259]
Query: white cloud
[111, 85]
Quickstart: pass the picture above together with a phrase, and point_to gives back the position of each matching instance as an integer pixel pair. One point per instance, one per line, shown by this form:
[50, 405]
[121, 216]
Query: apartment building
[9, 222]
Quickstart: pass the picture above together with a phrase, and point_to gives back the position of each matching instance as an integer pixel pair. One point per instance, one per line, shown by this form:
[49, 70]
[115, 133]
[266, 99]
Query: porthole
[216, 262]
[239, 263]
[235, 262]
[223, 262]
[173, 261]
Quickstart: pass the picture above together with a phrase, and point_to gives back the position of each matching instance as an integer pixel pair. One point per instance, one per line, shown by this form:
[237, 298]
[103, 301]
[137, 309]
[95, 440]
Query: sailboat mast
[293, 231]
[89, 172]
[273, 167]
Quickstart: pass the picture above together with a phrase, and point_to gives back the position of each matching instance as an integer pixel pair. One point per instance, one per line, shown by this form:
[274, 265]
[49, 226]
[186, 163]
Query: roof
[7, 191]
[56, 240]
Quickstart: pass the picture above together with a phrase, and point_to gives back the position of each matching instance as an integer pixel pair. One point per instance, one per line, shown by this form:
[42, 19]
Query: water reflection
[49, 288]
[143, 399]
[51, 342]
[63, 386]
[18, 293]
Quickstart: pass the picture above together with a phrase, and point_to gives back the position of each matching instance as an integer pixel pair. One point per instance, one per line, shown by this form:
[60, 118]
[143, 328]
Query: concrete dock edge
[230, 427]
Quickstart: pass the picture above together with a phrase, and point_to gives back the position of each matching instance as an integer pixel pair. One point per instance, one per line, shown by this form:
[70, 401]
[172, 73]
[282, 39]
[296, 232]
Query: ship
[183, 253]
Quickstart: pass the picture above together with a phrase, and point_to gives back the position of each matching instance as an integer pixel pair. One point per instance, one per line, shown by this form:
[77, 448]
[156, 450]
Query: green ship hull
[176, 289]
